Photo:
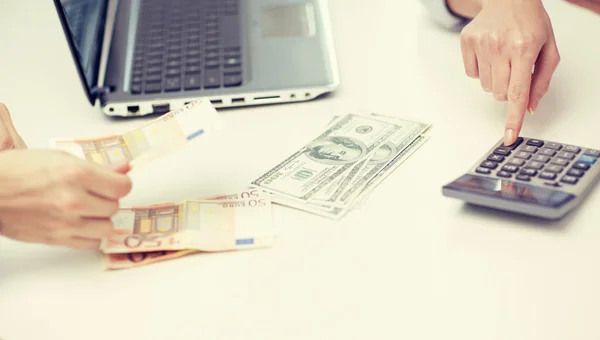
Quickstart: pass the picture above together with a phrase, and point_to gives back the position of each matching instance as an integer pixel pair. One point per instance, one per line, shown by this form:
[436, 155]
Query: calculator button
[591, 152]
[540, 158]
[516, 161]
[510, 168]
[534, 165]
[515, 144]
[502, 151]
[566, 155]
[575, 172]
[554, 168]
[560, 161]
[489, 165]
[554, 146]
[504, 174]
[569, 179]
[484, 171]
[572, 148]
[523, 178]
[535, 142]
[530, 148]
[547, 175]
[548, 152]
[528, 172]
[523, 155]
[495, 158]
[581, 166]
[587, 159]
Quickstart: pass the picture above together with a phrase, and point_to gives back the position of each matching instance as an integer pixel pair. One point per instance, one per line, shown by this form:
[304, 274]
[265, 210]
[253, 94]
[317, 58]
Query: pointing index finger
[518, 97]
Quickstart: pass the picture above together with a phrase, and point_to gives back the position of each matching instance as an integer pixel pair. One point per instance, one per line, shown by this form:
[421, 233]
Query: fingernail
[531, 111]
[509, 137]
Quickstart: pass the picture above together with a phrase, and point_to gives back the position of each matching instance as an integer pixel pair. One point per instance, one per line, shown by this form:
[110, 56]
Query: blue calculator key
[569, 179]
[581, 166]
[504, 174]
[547, 175]
[587, 159]
[575, 172]
[523, 178]
[535, 142]
[592, 152]
[482, 170]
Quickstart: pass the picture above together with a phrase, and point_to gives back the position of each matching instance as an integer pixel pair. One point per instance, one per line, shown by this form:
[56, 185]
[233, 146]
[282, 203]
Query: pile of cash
[329, 176]
[337, 170]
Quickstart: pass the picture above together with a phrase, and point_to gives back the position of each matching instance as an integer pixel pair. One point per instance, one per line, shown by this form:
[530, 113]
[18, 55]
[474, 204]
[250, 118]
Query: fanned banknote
[330, 180]
[205, 225]
[148, 142]
[346, 142]
[131, 260]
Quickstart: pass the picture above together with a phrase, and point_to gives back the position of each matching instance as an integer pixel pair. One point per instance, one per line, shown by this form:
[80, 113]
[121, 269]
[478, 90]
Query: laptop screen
[83, 23]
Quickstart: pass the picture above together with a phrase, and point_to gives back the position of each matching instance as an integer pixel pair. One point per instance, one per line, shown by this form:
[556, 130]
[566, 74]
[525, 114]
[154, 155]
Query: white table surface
[411, 264]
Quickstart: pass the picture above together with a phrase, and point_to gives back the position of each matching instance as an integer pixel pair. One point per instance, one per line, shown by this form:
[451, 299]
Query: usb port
[216, 101]
[160, 108]
[133, 109]
[238, 100]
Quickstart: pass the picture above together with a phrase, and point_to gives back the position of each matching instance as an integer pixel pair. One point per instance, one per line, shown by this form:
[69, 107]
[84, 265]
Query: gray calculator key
[528, 172]
[575, 172]
[535, 165]
[489, 165]
[510, 168]
[547, 175]
[560, 161]
[581, 166]
[591, 152]
[484, 171]
[530, 148]
[572, 148]
[495, 158]
[504, 174]
[569, 179]
[516, 161]
[566, 155]
[535, 142]
[554, 168]
[502, 151]
[555, 146]
[548, 152]
[523, 155]
[523, 178]
[541, 158]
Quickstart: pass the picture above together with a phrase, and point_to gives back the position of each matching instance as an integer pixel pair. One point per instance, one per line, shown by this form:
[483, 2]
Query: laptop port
[238, 100]
[160, 108]
[266, 98]
[133, 109]
[216, 101]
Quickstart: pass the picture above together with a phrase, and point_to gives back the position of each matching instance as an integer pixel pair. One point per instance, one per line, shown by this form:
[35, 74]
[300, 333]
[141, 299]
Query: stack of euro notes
[336, 171]
[149, 234]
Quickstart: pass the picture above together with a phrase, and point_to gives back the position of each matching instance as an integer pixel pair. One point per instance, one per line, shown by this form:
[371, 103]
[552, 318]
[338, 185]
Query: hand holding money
[47, 196]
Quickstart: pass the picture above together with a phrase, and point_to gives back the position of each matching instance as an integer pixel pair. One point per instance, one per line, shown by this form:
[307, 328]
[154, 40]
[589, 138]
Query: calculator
[533, 177]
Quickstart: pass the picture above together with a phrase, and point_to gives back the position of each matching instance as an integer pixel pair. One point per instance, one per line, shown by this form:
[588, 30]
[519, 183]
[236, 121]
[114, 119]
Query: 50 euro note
[203, 225]
[154, 139]
[346, 142]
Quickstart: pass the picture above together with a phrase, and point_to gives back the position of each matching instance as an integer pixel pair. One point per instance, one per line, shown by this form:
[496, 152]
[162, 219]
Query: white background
[411, 264]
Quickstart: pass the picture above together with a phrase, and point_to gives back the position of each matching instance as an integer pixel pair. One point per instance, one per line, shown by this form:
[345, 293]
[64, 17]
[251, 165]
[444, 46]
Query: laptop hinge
[99, 92]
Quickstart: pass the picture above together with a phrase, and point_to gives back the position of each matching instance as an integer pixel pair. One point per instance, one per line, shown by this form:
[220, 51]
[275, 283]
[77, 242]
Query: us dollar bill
[346, 142]
[340, 193]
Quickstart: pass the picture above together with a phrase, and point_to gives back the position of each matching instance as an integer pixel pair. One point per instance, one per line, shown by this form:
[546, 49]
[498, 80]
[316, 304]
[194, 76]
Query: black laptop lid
[83, 22]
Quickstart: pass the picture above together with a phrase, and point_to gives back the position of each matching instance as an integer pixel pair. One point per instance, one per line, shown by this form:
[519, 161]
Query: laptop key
[233, 80]
[136, 89]
[173, 84]
[153, 87]
[212, 78]
[192, 82]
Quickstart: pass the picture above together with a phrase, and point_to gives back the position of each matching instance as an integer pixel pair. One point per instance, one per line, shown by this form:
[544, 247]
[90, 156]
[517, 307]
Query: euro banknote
[154, 139]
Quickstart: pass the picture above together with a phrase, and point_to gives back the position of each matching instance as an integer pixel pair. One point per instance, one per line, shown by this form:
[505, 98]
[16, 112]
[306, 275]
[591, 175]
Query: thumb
[122, 167]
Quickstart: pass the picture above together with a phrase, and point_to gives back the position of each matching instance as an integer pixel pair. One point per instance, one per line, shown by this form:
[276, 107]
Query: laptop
[140, 57]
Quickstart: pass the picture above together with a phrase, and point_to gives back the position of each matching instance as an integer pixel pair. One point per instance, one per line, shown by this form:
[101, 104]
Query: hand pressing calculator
[532, 177]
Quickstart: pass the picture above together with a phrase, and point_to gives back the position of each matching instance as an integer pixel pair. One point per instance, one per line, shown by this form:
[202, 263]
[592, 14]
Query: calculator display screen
[511, 190]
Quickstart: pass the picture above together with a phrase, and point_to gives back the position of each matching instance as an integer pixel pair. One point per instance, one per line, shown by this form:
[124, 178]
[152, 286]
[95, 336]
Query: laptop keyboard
[187, 45]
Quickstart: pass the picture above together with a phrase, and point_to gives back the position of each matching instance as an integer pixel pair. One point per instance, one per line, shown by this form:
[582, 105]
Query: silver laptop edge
[242, 99]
